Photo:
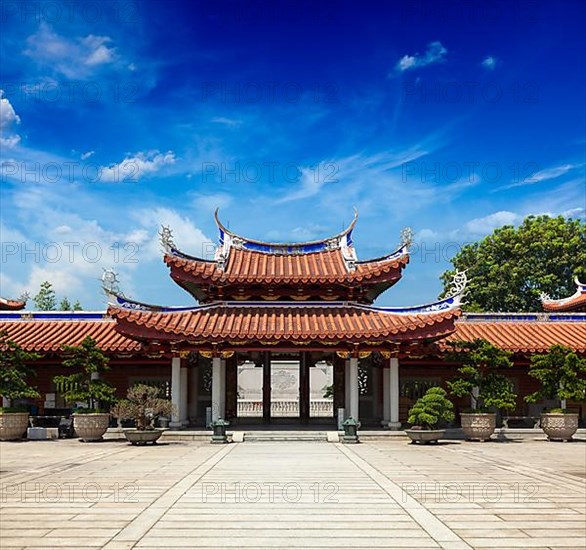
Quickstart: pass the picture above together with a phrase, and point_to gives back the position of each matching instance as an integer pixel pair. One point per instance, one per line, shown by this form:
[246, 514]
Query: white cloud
[230, 122]
[134, 168]
[209, 202]
[188, 238]
[435, 53]
[74, 58]
[487, 224]
[8, 118]
[369, 177]
[87, 155]
[98, 52]
[490, 62]
[542, 175]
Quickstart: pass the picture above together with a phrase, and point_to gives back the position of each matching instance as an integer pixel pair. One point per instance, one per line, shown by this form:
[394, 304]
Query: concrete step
[285, 436]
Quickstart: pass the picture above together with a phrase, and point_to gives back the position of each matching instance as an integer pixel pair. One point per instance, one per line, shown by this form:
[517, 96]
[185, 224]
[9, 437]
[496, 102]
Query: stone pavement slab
[379, 494]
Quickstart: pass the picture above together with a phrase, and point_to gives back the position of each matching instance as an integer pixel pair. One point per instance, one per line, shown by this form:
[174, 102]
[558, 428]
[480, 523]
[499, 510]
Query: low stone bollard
[42, 434]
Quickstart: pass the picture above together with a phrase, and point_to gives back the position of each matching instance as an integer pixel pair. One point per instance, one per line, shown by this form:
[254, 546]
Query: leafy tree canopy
[89, 360]
[509, 269]
[15, 369]
[46, 300]
[143, 404]
[431, 409]
[562, 374]
[479, 376]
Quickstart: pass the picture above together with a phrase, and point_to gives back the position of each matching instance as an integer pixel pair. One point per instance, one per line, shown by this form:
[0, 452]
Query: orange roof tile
[11, 305]
[523, 336]
[577, 302]
[327, 267]
[281, 323]
[50, 335]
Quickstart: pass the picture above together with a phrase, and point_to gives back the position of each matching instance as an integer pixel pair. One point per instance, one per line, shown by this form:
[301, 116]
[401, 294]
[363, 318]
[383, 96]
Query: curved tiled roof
[522, 335]
[576, 302]
[327, 267]
[50, 334]
[528, 333]
[11, 305]
[284, 323]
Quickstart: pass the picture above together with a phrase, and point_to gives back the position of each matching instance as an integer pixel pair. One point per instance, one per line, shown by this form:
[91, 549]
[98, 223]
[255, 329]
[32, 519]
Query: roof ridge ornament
[458, 285]
[111, 286]
[407, 237]
[341, 239]
[166, 235]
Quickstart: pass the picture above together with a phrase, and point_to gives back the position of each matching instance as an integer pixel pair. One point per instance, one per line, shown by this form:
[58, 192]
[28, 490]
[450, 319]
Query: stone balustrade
[284, 408]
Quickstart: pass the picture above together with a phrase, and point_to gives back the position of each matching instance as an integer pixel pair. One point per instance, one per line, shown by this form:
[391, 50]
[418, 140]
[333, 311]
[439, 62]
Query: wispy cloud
[490, 62]
[435, 53]
[230, 122]
[541, 176]
[72, 57]
[137, 166]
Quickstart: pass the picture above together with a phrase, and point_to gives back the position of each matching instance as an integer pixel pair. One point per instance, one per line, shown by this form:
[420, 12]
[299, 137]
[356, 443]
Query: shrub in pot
[91, 421]
[562, 376]
[144, 405]
[428, 412]
[14, 373]
[479, 378]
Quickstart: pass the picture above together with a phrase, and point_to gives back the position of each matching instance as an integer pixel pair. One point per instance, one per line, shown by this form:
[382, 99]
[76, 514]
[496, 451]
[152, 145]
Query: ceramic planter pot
[13, 425]
[424, 436]
[142, 437]
[559, 426]
[92, 426]
[478, 426]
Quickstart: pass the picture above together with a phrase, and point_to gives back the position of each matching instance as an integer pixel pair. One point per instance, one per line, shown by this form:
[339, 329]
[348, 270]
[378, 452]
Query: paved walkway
[293, 495]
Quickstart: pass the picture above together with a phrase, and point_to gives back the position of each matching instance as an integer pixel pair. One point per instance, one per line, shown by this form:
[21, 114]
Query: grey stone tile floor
[379, 494]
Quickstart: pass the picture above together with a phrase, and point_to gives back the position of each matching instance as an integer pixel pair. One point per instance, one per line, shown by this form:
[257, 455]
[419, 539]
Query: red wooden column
[231, 387]
[339, 384]
[266, 386]
[304, 365]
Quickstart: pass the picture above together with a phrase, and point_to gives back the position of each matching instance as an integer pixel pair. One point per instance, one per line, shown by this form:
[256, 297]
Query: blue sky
[117, 117]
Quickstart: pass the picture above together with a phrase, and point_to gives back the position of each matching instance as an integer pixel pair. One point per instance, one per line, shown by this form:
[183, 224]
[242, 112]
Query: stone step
[285, 436]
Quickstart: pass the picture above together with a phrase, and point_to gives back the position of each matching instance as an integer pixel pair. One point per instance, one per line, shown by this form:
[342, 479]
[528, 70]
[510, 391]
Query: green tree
[66, 305]
[15, 369]
[562, 375]
[509, 269]
[45, 300]
[478, 377]
[84, 385]
[143, 404]
[431, 409]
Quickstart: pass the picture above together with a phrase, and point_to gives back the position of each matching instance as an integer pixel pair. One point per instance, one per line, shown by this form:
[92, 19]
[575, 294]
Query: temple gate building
[289, 333]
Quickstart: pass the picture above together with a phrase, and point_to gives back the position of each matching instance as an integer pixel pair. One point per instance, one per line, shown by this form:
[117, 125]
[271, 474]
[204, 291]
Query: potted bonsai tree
[427, 413]
[562, 375]
[480, 379]
[90, 422]
[144, 405]
[14, 371]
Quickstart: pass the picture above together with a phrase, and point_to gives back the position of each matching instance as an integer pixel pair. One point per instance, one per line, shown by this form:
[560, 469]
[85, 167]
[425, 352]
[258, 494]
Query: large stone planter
[478, 426]
[91, 427]
[142, 437]
[424, 436]
[559, 426]
[13, 425]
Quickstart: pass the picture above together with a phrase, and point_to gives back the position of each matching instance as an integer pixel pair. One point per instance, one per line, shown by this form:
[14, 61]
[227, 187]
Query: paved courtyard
[111, 495]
